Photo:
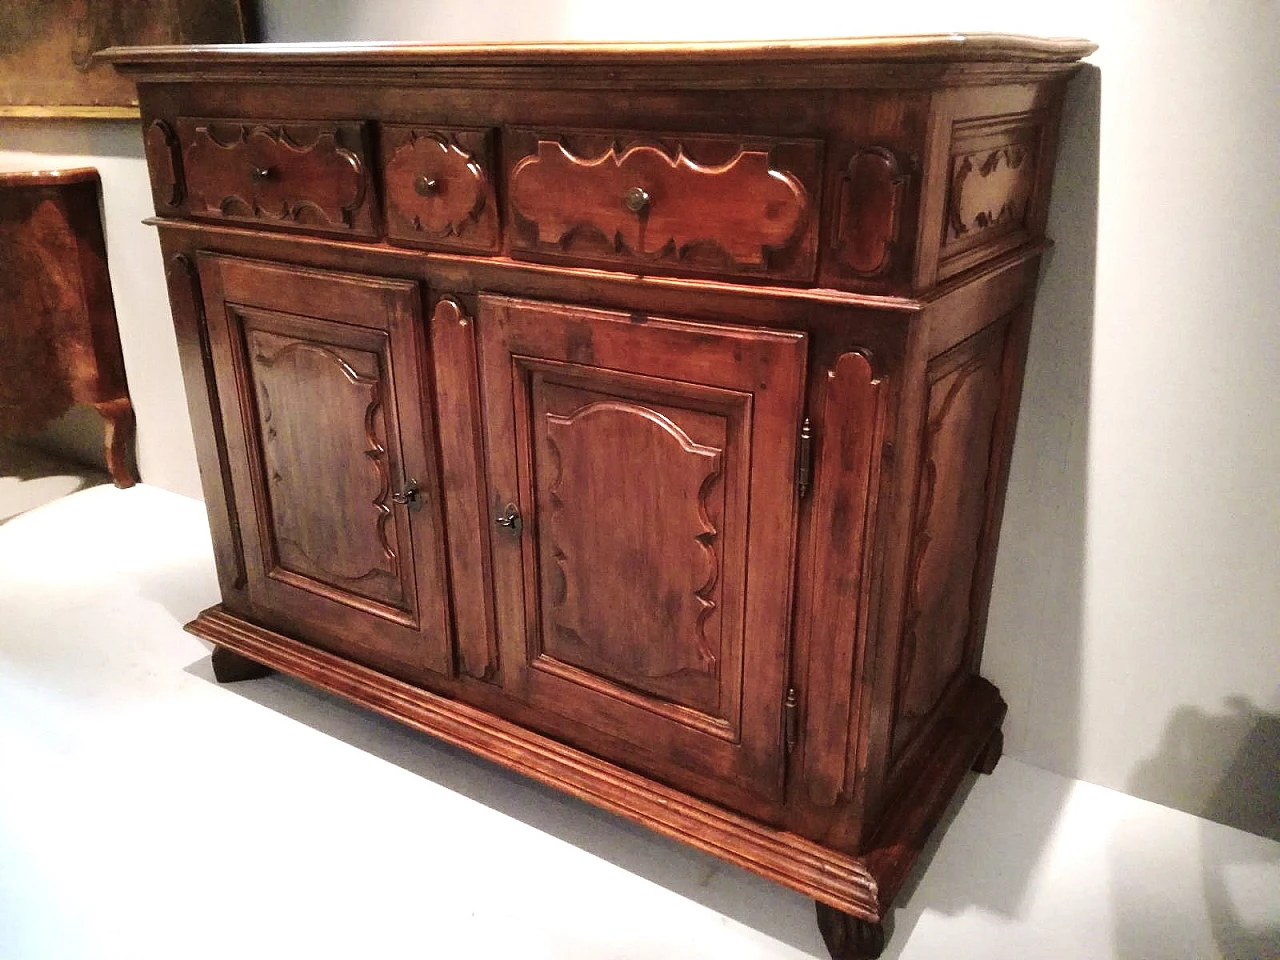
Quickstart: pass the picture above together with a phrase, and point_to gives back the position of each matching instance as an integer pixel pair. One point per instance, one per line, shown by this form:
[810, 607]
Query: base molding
[846, 883]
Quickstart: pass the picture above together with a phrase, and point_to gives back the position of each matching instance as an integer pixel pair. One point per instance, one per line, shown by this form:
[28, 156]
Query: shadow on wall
[1233, 874]
[1035, 627]
[1244, 793]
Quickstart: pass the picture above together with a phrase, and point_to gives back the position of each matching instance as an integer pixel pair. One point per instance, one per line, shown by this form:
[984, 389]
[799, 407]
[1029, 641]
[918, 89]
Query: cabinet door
[326, 421]
[643, 591]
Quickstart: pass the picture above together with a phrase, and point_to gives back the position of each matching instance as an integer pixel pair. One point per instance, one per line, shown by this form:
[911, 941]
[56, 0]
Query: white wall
[1134, 618]
[166, 450]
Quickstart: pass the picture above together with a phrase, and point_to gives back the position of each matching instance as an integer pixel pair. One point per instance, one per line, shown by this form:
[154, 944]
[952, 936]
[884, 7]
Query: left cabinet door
[327, 421]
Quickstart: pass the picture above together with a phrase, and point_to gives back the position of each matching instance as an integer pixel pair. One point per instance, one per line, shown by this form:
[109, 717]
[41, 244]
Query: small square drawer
[437, 187]
[697, 204]
[296, 174]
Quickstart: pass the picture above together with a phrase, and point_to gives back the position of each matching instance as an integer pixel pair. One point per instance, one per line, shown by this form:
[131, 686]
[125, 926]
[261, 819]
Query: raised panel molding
[314, 174]
[741, 209]
[654, 527]
[962, 403]
[164, 163]
[292, 379]
[438, 188]
[868, 215]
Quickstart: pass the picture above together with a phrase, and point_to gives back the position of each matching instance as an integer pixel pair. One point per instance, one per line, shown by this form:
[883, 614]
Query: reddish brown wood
[686, 203]
[164, 161]
[634, 448]
[326, 423]
[306, 175]
[59, 343]
[846, 478]
[622, 462]
[963, 397]
[870, 208]
[438, 189]
[453, 348]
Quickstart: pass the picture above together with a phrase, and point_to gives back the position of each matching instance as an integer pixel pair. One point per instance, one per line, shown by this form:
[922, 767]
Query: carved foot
[849, 938]
[992, 750]
[231, 667]
[118, 440]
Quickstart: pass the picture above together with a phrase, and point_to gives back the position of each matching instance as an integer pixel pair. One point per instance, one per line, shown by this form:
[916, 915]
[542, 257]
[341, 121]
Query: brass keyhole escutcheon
[509, 519]
[636, 199]
[410, 496]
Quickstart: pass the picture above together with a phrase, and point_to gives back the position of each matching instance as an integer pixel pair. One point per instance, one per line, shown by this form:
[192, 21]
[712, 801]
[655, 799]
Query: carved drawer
[438, 189]
[299, 175]
[683, 204]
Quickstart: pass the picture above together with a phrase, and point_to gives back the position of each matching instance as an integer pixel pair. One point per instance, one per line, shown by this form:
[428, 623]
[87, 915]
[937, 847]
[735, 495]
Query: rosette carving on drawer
[699, 204]
[300, 174]
[438, 191]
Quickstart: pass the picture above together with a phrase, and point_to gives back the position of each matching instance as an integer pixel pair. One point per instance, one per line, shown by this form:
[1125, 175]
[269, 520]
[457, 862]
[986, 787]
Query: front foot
[991, 753]
[231, 667]
[849, 938]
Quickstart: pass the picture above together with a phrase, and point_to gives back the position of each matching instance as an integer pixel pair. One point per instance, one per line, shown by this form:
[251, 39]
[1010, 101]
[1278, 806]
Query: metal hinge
[791, 718]
[804, 458]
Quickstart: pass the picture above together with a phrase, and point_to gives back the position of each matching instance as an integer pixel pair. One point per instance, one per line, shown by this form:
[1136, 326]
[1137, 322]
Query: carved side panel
[623, 486]
[320, 431]
[308, 175]
[164, 163]
[706, 204]
[951, 502]
[868, 216]
[438, 187]
[992, 181]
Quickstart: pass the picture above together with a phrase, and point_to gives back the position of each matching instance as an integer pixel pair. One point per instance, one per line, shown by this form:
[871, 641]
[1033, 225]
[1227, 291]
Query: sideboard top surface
[873, 61]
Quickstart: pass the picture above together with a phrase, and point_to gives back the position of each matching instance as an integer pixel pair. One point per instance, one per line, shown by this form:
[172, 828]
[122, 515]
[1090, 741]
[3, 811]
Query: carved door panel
[646, 460]
[326, 426]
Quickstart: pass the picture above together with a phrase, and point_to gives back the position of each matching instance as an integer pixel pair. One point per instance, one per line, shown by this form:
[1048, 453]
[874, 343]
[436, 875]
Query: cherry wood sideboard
[59, 343]
[637, 417]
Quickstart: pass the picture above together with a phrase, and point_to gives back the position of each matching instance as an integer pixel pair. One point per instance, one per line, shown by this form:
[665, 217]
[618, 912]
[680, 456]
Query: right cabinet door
[642, 497]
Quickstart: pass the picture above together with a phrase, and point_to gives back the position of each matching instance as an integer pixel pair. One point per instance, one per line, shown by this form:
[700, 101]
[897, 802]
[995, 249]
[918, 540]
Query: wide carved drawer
[680, 203]
[306, 175]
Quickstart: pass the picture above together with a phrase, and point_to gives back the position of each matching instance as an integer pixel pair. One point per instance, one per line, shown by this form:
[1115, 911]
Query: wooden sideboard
[637, 417]
[59, 343]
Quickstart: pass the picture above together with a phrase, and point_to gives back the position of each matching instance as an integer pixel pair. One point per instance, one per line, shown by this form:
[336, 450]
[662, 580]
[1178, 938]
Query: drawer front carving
[300, 174]
[687, 204]
[438, 187]
[991, 189]
[647, 462]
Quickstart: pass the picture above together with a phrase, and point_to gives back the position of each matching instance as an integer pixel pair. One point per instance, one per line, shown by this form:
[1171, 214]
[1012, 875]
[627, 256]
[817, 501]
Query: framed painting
[47, 47]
